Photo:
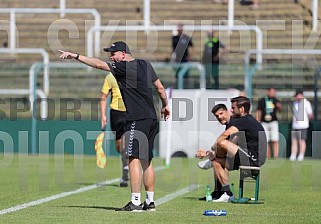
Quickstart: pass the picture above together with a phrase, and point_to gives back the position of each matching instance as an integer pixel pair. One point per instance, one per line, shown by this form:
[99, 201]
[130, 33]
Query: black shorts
[241, 158]
[139, 138]
[118, 122]
[300, 134]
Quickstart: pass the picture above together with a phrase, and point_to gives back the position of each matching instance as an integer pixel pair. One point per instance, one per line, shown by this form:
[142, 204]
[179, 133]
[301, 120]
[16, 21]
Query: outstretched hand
[67, 55]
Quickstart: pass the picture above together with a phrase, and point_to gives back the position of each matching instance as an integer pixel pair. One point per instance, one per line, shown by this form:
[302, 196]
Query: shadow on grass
[100, 185]
[192, 198]
[91, 207]
[111, 185]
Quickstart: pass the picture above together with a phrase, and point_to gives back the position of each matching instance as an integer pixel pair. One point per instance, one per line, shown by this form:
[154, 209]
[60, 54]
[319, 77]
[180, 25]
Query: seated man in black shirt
[250, 149]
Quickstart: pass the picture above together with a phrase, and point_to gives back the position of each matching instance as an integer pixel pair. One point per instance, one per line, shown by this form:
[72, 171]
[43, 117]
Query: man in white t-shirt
[302, 114]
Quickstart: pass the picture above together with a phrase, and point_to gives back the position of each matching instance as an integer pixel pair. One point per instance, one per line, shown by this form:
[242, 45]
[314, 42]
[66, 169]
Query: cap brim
[108, 49]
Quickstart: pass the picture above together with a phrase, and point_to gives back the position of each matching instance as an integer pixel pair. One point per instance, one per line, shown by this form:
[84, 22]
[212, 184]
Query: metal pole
[230, 13]
[62, 8]
[202, 76]
[169, 92]
[314, 10]
[246, 82]
[146, 13]
[32, 71]
[90, 42]
[46, 81]
[12, 30]
[259, 46]
[34, 115]
[97, 33]
[315, 99]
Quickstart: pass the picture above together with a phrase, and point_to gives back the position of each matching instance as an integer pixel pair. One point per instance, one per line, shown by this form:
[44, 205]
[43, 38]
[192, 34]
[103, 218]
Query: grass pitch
[290, 191]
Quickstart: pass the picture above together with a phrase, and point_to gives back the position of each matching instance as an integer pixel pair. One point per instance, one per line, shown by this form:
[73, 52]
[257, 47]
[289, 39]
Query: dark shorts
[118, 122]
[241, 158]
[300, 134]
[139, 138]
[212, 70]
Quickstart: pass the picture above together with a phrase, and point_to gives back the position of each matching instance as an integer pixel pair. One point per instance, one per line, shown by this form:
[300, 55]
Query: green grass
[290, 190]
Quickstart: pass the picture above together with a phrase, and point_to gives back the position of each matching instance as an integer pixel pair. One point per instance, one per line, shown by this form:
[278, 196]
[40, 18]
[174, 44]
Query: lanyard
[269, 106]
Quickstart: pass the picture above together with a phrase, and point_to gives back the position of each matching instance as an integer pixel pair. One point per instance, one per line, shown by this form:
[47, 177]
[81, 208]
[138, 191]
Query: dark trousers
[212, 71]
[185, 77]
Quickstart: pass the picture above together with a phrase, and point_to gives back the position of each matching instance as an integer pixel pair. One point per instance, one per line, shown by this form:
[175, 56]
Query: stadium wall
[77, 137]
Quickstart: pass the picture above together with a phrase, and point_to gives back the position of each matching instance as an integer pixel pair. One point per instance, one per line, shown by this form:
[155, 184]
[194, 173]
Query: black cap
[118, 46]
[298, 91]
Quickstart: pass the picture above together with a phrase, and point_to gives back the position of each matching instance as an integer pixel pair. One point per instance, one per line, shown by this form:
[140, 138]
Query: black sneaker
[149, 207]
[130, 207]
[123, 183]
[215, 195]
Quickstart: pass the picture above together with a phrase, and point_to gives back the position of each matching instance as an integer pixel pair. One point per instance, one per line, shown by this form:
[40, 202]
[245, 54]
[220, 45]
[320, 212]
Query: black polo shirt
[136, 80]
[251, 136]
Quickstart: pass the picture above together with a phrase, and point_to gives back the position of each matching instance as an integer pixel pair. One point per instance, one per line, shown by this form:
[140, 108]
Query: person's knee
[226, 147]
[223, 144]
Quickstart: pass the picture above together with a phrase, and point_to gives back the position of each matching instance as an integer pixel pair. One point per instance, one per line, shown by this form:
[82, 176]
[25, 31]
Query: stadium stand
[33, 33]
[33, 27]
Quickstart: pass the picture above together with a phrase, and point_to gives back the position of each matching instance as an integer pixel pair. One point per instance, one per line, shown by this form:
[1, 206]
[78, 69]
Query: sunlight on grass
[290, 191]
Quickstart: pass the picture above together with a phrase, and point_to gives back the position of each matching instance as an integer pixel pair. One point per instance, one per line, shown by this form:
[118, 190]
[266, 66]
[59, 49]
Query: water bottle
[208, 193]
[215, 213]
[232, 188]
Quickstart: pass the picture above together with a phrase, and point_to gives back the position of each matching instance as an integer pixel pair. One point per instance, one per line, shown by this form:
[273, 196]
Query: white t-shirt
[301, 110]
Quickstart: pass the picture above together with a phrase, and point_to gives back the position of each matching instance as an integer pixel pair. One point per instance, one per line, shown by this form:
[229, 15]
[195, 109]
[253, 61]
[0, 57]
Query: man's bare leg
[302, 149]
[149, 183]
[135, 174]
[268, 151]
[275, 149]
[149, 175]
[294, 149]
[221, 172]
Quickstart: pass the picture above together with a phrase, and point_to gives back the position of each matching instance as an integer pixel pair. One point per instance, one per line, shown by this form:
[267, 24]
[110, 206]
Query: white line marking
[56, 196]
[91, 187]
[170, 197]
[64, 194]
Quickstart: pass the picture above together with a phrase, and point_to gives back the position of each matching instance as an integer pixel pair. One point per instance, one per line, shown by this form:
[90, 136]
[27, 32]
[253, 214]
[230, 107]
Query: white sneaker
[300, 157]
[225, 198]
[205, 164]
[292, 157]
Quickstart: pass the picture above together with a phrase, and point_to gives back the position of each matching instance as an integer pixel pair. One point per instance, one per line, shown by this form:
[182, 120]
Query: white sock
[136, 198]
[149, 197]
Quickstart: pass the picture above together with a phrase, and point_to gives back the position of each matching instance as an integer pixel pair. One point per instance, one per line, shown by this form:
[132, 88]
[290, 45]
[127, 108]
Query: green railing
[285, 77]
